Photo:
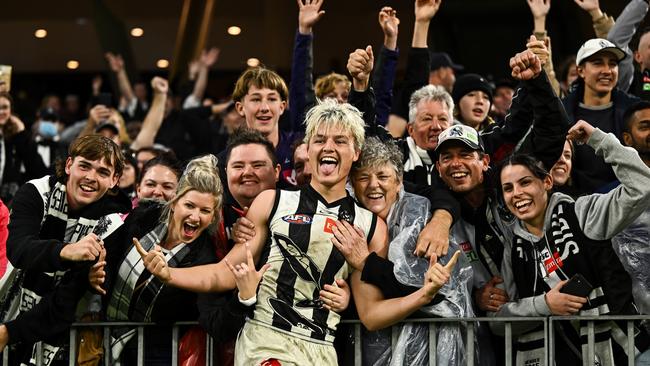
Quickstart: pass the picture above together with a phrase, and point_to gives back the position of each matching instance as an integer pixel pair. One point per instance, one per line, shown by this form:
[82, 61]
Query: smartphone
[577, 286]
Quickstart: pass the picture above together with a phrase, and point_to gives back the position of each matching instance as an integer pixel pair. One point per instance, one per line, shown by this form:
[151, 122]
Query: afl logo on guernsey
[297, 219]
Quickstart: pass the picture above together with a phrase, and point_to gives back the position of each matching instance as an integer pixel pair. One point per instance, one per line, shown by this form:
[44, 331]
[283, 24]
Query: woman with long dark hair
[557, 239]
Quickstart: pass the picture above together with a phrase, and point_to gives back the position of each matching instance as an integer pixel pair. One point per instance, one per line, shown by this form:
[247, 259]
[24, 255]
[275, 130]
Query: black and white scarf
[18, 293]
[135, 290]
[418, 164]
[562, 251]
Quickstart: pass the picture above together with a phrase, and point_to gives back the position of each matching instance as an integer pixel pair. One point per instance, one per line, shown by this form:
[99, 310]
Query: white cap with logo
[465, 134]
[593, 46]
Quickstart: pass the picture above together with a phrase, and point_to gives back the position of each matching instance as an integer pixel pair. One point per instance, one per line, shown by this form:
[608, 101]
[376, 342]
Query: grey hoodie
[600, 217]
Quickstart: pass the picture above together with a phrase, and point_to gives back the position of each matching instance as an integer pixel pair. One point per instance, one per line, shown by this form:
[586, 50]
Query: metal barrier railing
[628, 319]
[468, 322]
[433, 323]
[106, 328]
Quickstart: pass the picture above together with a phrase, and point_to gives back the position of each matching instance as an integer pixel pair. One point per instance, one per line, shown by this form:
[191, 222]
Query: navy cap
[442, 59]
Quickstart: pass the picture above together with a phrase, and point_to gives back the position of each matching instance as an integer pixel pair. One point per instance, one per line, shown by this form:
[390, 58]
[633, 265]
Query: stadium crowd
[270, 217]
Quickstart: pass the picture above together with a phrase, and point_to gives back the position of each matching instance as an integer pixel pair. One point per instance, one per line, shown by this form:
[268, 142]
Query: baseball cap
[465, 134]
[107, 125]
[442, 59]
[595, 45]
[505, 83]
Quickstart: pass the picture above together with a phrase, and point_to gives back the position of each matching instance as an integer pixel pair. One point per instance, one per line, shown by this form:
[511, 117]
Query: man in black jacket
[57, 228]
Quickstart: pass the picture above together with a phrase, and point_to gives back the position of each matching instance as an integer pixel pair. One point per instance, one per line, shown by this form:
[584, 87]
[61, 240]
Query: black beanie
[468, 83]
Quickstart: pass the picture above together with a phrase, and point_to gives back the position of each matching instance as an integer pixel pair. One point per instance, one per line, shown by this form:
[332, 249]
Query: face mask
[47, 129]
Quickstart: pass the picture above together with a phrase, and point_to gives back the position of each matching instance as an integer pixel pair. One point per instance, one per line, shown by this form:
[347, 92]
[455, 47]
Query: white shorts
[261, 345]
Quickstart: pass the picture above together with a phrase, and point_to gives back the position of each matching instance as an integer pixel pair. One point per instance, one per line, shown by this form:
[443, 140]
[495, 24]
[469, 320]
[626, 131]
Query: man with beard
[637, 129]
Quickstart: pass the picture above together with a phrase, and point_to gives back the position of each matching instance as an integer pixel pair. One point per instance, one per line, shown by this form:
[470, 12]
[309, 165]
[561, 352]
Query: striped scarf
[135, 290]
[562, 251]
[19, 293]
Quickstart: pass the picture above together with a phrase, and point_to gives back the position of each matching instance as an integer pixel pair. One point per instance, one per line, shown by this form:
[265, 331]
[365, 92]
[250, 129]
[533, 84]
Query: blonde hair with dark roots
[200, 175]
[260, 78]
[327, 83]
[330, 113]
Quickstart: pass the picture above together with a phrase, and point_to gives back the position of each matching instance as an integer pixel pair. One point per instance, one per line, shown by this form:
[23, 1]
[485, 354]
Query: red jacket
[4, 233]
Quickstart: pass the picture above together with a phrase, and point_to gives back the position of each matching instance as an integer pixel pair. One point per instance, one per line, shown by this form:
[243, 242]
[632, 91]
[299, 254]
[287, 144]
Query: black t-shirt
[590, 172]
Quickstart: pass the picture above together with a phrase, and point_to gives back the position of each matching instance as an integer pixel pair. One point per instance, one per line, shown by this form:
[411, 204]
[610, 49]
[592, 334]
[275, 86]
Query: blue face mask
[47, 129]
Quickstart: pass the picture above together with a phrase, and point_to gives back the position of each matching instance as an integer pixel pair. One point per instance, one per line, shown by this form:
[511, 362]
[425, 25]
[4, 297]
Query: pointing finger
[139, 248]
[452, 262]
[249, 256]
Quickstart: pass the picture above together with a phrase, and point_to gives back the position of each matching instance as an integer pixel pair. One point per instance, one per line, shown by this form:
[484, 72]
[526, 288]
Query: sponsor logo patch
[551, 264]
[469, 251]
[328, 225]
[298, 219]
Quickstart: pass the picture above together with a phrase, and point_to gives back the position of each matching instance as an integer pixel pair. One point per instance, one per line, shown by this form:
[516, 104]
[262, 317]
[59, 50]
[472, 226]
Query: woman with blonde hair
[178, 230]
[333, 85]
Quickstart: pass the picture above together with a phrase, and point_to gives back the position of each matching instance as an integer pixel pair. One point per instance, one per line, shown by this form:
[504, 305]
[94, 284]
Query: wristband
[248, 302]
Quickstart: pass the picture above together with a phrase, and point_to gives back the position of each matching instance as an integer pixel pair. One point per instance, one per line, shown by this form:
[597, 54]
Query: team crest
[456, 132]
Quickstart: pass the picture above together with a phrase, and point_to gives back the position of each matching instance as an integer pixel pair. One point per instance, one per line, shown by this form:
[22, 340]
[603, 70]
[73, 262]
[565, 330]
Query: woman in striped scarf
[557, 238]
[177, 230]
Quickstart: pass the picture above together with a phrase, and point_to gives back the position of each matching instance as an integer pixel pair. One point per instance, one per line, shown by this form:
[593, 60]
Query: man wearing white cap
[595, 98]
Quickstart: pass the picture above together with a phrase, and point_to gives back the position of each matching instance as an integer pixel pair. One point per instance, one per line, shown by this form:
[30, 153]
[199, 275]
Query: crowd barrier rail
[433, 323]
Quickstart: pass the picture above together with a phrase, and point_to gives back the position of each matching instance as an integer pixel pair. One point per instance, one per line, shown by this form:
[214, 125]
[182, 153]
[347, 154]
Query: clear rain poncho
[632, 246]
[407, 217]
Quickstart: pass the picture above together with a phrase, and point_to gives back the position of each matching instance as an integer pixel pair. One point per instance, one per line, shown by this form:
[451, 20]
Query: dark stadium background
[480, 34]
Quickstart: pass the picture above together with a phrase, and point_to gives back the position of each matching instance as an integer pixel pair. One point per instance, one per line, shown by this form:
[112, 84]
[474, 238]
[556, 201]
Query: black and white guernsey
[302, 260]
